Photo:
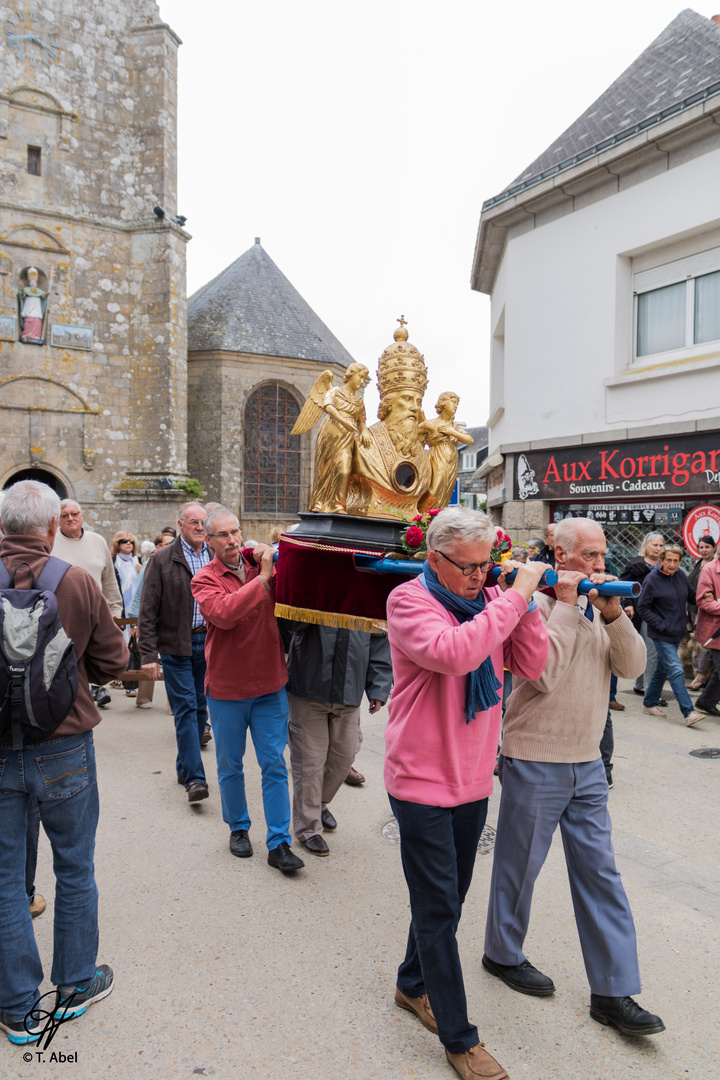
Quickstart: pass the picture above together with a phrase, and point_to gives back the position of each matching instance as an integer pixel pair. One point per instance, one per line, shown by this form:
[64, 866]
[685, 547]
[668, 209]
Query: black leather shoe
[524, 978]
[240, 844]
[182, 779]
[282, 858]
[328, 820]
[709, 710]
[315, 845]
[624, 1014]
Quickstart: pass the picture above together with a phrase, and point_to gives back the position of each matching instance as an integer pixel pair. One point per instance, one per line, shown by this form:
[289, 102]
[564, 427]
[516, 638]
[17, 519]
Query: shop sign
[680, 465]
[644, 514]
[701, 521]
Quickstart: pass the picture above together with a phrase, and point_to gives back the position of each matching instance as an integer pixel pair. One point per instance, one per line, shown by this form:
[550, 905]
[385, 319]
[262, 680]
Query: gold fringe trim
[331, 618]
[315, 545]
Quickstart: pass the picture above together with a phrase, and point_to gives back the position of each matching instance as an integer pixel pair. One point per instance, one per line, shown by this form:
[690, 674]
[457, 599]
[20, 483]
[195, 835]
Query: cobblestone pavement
[225, 968]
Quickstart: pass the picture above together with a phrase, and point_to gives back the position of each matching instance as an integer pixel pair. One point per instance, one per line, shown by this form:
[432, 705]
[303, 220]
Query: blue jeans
[438, 846]
[668, 666]
[61, 774]
[185, 687]
[267, 719]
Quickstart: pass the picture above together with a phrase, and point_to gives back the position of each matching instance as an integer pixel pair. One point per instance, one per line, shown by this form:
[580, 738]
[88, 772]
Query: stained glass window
[271, 455]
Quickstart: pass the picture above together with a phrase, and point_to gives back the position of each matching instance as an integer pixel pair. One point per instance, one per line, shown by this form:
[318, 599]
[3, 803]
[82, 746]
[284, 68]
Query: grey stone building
[95, 403]
[255, 349]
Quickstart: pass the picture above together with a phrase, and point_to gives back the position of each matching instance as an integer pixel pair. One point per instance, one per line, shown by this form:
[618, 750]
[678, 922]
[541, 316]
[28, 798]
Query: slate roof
[480, 435]
[677, 70]
[251, 307]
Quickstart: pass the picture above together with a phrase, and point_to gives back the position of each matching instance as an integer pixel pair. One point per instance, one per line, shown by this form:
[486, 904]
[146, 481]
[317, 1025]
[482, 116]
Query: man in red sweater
[245, 683]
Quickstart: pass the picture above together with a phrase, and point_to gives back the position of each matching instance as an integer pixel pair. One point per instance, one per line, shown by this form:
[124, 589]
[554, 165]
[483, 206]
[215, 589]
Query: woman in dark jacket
[663, 606]
[637, 570]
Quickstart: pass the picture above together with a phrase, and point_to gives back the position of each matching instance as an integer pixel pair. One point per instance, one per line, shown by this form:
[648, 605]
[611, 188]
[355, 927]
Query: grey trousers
[643, 681]
[536, 798]
[323, 737]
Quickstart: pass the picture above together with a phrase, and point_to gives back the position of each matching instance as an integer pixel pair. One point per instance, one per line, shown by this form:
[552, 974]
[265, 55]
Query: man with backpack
[46, 750]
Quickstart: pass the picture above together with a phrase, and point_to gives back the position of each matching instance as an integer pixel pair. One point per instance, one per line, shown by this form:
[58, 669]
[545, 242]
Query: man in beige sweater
[88, 550]
[552, 774]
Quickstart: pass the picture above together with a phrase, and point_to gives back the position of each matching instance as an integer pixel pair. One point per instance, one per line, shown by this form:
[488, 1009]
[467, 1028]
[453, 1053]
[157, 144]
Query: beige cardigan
[561, 716]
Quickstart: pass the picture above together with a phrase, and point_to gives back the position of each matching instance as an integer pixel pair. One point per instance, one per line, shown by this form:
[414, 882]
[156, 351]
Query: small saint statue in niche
[32, 306]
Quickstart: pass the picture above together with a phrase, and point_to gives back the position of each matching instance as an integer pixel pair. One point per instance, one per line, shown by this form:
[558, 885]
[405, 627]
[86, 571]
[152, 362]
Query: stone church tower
[94, 399]
[255, 349]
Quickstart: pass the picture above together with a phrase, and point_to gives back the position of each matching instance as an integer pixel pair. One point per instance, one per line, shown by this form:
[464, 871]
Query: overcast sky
[359, 140]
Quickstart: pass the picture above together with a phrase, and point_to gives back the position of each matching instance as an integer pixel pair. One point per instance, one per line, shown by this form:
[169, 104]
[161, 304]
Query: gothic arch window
[271, 455]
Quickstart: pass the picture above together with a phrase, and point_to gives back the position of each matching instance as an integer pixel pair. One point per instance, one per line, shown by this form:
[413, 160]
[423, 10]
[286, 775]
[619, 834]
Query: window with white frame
[677, 307]
[468, 461]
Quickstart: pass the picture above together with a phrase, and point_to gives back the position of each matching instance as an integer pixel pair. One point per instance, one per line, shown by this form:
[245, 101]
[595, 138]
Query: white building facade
[603, 266]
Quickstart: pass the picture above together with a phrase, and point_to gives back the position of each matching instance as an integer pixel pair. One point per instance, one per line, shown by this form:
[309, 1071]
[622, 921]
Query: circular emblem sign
[702, 521]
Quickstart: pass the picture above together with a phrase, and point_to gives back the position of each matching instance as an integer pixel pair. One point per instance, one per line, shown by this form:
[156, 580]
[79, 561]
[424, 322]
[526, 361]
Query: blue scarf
[482, 685]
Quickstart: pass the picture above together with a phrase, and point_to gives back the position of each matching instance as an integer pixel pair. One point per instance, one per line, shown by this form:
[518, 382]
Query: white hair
[460, 524]
[566, 531]
[28, 508]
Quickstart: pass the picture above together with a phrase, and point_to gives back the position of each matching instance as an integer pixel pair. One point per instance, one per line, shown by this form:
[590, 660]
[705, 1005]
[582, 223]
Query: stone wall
[108, 422]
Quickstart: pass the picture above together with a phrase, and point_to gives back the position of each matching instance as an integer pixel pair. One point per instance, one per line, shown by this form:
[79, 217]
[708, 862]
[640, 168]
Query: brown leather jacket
[86, 619]
[166, 605]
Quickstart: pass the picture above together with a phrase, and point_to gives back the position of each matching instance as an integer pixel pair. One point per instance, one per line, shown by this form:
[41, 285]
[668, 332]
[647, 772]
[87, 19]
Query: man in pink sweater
[450, 637]
[552, 774]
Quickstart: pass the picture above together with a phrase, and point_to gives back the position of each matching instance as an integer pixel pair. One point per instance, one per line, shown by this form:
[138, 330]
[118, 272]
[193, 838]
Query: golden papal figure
[383, 470]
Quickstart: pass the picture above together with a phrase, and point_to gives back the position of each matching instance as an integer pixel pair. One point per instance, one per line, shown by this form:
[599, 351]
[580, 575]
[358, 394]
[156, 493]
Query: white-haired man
[171, 631]
[59, 772]
[552, 774]
[245, 684]
[88, 550]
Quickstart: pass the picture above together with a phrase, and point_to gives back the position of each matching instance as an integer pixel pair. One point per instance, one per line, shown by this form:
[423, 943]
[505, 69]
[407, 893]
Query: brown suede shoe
[476, 1064]
[37, 905]
[420, 1006]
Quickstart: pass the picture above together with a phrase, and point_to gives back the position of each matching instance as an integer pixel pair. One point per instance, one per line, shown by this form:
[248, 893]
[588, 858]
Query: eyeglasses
[235, 533]
[471, 567]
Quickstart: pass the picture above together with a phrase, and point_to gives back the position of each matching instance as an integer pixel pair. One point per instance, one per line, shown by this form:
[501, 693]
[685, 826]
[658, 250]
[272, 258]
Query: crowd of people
[206, 624]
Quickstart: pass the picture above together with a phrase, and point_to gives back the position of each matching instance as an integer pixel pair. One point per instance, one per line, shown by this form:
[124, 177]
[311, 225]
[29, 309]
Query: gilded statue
[382, 470]
[344, 424]
[442, 438]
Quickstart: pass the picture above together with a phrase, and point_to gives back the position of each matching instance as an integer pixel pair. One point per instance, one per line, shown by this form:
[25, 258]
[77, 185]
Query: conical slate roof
[677, 70]
[251, 307]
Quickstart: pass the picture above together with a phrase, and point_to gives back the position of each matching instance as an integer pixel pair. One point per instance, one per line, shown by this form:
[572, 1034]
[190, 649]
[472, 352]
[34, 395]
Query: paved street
[225, 968]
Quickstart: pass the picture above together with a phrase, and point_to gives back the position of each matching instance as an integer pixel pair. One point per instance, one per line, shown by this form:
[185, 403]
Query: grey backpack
[38, 665]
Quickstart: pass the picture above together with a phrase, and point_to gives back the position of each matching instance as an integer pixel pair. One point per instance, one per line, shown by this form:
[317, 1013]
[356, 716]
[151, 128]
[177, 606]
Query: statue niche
[33, 302]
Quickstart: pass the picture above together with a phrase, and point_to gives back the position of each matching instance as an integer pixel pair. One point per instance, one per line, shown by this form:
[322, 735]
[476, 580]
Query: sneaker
[101, 696]
[693, 718]
[143, 704]
[22, 1032]
[37, 905]
[74, 1000]
[652, 710]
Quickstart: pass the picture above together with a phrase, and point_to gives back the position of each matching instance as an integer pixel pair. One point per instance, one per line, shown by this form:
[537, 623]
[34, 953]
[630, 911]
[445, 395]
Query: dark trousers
[710, 694]
[607, 745]
[438, 846]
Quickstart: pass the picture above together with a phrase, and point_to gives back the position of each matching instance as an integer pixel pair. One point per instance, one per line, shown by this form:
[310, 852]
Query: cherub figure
[344, 423]
[32, 306]
[442, 438]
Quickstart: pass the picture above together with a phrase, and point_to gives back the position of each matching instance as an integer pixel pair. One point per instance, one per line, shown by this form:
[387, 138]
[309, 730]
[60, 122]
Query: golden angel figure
[344, 424]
